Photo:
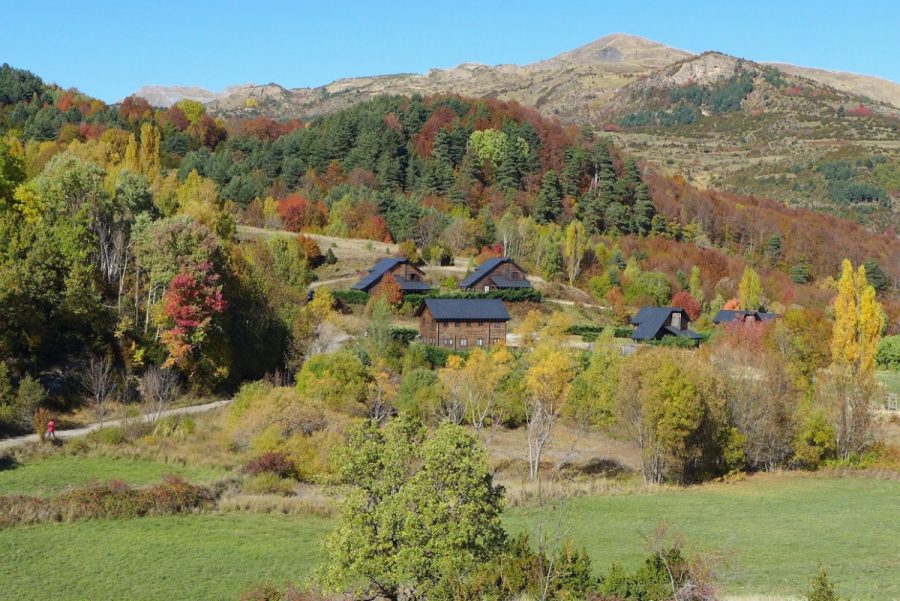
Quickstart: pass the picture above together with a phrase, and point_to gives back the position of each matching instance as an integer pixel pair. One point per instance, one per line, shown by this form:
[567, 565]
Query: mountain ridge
[571, 86]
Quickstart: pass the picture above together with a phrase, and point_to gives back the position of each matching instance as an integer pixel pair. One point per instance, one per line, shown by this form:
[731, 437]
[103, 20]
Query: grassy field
[774, 530]
[182, 557]
[52, 474]
[890, 379]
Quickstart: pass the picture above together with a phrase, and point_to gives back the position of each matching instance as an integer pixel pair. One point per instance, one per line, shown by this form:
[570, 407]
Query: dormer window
[676, 320]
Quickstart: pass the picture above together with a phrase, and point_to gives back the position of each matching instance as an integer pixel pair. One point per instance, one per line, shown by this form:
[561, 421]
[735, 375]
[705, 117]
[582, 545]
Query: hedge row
[351, 297]
[590, 333]
[404, 335]
[516, 295]
[111, 500]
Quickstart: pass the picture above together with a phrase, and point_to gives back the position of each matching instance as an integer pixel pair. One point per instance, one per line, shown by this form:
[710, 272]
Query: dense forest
[118, 224]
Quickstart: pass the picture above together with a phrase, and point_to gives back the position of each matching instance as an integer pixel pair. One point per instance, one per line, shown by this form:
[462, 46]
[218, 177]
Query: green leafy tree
[750, 290]
[418, 512]
[12, 173]
[339, 380]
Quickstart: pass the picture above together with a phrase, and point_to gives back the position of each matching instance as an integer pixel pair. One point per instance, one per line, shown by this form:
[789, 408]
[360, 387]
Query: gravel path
[9, 443]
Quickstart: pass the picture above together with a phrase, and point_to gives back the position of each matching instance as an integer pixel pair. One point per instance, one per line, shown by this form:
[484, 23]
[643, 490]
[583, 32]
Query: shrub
[351, 297]
[814, 441]
[268, 483]
[111, 500]
[404, 335]
[888, 353]
[821, 588]
[273, 462]
[271, 592]
[259, 407]
[418, 392]
[665, 574]
[28, 398]
[339, 380]
[312, 454]
[39, 422]
[178, 427]
[111, 435]
[675, 342]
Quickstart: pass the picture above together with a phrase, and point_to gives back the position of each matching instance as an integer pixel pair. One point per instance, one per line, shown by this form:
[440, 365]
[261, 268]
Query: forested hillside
[117, 227]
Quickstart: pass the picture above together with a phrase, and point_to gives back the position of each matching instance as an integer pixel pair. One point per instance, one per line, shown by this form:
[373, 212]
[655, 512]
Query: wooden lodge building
[728, 316]
[410, 278]
[463, 323]
[500, 273]
[655, 323]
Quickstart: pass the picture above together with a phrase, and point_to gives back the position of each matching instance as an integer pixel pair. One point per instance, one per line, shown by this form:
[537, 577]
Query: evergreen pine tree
[643, 210]
[548, 205]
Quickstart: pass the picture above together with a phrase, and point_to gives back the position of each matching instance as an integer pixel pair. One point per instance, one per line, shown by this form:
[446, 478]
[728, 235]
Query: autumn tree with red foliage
[174, 117]
[389, 290]
[489, 252]
[691, 305]
[299, 213]
[615, 300]
[134, 109]
[191, 306]
[263, 128]
[207, 131]
[860, 111]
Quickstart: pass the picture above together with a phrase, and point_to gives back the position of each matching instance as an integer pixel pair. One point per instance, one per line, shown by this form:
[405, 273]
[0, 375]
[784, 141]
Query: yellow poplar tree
[750, 290]
[574, 249]
[149, 151]
[858, 322]
[548, 380]
[132, 163]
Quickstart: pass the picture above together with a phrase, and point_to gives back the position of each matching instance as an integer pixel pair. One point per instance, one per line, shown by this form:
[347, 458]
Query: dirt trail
[9, 443]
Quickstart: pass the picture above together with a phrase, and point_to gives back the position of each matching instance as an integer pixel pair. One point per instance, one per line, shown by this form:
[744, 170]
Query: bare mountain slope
[573, 86]
[865, 85]
[166, 96]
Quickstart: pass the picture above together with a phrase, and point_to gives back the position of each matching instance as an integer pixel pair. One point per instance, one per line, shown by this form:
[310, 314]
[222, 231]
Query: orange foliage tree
[389, 290]
[684, 300]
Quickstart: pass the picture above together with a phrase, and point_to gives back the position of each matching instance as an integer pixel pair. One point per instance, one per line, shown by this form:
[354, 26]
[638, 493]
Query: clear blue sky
[109, 49]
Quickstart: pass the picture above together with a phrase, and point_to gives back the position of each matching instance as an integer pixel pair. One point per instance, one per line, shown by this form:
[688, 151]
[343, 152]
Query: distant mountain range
[573, 86]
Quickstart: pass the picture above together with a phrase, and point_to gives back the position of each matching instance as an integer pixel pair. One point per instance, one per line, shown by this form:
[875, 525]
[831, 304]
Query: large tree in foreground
[858, 321]
[419, 511]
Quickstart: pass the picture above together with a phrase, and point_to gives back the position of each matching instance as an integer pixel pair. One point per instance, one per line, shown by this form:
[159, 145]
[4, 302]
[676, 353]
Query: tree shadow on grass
[603, 466]
[8, 462]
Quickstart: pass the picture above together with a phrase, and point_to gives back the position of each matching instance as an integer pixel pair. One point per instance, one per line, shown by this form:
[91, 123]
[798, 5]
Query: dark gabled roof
[466, 309]
[413, 285]
[503, 282]
[378, 270]
[683, 333]
[650, 320]
[727, 316]
[487, 267]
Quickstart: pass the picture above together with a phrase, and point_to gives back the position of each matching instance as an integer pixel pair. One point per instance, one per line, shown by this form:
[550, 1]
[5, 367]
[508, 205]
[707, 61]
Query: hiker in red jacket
[51, 429]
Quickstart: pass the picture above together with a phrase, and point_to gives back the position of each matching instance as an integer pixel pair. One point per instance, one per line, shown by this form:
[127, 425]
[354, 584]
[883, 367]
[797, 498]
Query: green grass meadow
[54, 474]
[890, 379]
[774, 532]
